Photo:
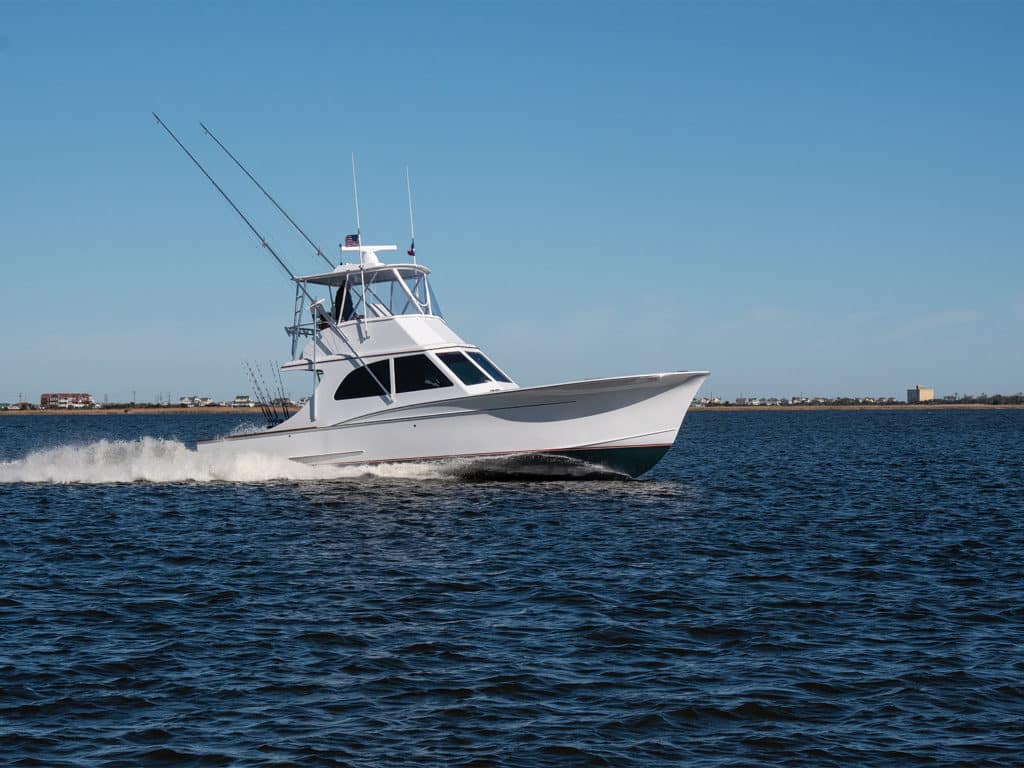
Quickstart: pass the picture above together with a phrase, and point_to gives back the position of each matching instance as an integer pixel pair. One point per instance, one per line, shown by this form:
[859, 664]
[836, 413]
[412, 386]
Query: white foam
[154, 460]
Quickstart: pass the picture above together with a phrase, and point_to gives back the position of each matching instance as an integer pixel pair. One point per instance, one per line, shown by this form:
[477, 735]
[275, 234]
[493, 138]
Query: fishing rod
[261, 398]
[261, 238]
[314, 304]
[269, 197]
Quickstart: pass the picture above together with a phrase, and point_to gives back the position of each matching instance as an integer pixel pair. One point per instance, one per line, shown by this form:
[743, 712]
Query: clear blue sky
[824, 198]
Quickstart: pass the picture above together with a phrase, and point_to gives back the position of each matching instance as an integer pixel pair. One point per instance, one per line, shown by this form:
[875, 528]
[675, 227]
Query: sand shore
[174, 409]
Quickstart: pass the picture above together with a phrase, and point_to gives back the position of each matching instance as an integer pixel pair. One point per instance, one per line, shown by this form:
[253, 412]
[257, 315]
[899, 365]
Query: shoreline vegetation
[174, 410]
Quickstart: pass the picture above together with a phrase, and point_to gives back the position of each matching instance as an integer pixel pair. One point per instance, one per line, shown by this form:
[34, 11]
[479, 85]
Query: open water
[798, 589]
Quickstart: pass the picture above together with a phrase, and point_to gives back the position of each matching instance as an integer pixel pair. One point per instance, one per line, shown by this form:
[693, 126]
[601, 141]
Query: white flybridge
[391, 382]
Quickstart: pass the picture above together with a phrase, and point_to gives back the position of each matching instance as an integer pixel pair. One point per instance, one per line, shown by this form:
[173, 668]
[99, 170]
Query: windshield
[388, 292]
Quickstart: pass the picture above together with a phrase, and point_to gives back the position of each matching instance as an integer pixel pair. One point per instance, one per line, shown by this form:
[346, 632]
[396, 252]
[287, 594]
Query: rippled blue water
[783, 589]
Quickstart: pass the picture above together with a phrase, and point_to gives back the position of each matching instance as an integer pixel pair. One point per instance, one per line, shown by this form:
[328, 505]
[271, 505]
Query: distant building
[243, 401]
[705, 401]
[65, 400]
[195, 401]
[920, 394]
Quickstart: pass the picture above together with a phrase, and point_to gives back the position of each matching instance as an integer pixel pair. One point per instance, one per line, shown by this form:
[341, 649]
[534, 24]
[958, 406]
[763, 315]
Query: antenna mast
[412, 229]
[359, 240]
[284, 213]
[355, 192]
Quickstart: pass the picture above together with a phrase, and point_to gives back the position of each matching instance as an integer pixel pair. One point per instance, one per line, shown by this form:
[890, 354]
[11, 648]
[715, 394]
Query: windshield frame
[386, 289]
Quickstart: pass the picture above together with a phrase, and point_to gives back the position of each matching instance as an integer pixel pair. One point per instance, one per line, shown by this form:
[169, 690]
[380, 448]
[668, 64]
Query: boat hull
[632, 461]
[623, 424]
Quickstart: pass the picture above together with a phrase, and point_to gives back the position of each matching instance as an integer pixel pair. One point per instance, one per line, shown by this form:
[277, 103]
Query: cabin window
[490, 367]
[461, 366]
[360, 383]
[416, 372]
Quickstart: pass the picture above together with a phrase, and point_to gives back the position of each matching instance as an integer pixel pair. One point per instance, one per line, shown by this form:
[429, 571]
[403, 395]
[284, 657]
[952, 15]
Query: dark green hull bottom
[583, 463]
[632, 461]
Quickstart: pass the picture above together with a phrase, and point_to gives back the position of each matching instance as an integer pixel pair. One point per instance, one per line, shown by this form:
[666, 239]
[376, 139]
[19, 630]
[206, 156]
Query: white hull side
[583, 418]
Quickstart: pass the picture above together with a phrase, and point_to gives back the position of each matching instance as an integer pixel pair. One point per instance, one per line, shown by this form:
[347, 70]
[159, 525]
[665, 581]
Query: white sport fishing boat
[394, 383]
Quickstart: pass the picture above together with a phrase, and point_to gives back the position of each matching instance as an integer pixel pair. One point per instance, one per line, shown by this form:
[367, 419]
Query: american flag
[351, 241]
[412, 248]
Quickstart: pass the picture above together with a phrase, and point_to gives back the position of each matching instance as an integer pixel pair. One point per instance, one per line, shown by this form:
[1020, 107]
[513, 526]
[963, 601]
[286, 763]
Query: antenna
[284, 213]
[412, 229]
[359, 242]
[355, 191]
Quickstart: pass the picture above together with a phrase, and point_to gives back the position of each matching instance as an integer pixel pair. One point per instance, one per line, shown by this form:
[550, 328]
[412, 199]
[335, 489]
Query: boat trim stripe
[423, 417]
[355, 423]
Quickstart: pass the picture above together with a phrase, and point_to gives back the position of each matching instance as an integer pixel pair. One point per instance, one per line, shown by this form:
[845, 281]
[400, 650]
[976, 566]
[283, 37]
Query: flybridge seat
[375, 290]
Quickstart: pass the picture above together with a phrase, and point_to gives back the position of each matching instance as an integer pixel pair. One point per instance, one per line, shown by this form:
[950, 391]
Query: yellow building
[920, 394]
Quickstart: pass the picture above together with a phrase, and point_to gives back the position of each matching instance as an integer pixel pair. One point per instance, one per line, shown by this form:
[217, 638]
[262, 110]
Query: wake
[153, 460]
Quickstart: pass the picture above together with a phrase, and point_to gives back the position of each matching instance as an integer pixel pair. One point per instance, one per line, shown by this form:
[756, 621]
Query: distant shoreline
[889, 407]
[175, 410]
[136, 411]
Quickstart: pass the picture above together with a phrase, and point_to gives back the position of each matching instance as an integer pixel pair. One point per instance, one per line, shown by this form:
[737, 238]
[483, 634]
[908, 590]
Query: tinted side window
[490, 367]
[416, 372]
[360, 383]
[463, 368]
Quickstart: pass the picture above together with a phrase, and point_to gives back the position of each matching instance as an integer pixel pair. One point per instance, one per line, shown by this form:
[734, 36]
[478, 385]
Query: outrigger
[392, 382]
